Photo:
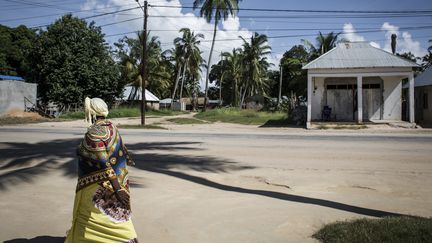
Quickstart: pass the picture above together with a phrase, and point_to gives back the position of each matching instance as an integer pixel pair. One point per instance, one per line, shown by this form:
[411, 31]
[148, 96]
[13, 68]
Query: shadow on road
[21, 167]
[39, 239]
[26, 161]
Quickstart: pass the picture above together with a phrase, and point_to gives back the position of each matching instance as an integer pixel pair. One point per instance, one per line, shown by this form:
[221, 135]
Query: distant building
[423, 97]
[131, 94]
[16, 94]
[357, 82]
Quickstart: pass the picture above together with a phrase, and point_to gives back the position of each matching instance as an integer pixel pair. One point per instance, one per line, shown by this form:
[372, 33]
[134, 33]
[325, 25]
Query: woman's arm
[120, 193]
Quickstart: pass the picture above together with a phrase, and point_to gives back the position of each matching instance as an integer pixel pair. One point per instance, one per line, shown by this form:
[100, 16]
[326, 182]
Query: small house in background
[187, 104]
[132, 94]
[423, 97]
[358, 82]
[165, 103]
[16, 94]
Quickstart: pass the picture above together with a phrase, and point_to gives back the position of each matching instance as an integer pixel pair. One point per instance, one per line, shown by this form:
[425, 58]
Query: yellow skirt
[98, 217]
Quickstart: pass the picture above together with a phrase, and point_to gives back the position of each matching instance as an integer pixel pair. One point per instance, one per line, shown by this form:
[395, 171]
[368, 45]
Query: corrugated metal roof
[148, 95]
[7, 77]
[424, 79]
[358, 55]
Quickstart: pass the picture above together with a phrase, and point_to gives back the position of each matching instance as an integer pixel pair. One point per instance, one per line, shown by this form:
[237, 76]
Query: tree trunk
[235, 102]
[176, 84]
[209, 65]
[182, 79]
[243, 98]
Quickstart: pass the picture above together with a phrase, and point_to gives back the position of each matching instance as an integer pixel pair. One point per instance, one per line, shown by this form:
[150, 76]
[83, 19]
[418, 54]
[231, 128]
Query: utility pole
[220, 86]
[280, 87]
[143, 62]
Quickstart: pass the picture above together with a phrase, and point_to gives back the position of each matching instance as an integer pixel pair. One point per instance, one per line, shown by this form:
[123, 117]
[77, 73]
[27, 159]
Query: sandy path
[222, 182]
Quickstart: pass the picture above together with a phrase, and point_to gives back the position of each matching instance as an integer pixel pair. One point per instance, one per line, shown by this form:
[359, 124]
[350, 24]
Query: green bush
[236, 115]
[391, 229]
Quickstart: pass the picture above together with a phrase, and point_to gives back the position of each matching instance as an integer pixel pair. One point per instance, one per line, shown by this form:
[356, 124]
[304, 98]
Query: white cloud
[229, 29]
[404, 42]
[350, 33]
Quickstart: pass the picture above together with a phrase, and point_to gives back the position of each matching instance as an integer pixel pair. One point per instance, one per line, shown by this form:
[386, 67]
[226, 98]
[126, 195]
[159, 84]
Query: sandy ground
[221, 182]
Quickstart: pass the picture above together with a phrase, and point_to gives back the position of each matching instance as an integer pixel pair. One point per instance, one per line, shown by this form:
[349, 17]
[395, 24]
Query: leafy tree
[216, 9]
[293, 77]
[129, 53]
[408, 55]
[324, 43]
[71, 60]
[188, 46]
[255, 66]
[16, 43]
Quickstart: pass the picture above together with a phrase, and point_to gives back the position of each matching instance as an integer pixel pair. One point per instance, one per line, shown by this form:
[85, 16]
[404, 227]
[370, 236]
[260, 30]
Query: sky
[284, 29]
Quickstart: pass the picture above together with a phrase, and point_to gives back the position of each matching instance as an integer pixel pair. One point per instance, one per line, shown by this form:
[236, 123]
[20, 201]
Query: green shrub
[391, 229]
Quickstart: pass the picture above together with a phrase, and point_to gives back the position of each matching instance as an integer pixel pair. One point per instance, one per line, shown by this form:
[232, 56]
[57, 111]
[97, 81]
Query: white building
[358, 82]
[130, 93]
[16, 94]
[423, 96]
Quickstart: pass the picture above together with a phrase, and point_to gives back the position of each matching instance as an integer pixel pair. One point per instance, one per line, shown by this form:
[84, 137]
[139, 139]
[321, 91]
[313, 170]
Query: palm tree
[255, 66]
[218, 9]
[324, 44]
[188, 45]
[129, 53]
[233, 69]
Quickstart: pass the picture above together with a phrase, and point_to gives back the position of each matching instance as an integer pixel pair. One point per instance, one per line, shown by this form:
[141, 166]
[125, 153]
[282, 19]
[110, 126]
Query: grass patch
[184, 121]
[22, 120]
[124, 112]
[235, 115]
[391, 229]
[342, 127]
[150, 126]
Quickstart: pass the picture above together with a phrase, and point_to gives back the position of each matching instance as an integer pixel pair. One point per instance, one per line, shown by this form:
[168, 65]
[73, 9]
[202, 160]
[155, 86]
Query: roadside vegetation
[246, 117]
[149, 126]
[391, 229]
[124, 112]
[10, 120]
[184, 121]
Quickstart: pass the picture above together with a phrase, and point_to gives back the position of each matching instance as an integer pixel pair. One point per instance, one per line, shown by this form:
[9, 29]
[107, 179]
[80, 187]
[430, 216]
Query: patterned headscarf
[93, 108]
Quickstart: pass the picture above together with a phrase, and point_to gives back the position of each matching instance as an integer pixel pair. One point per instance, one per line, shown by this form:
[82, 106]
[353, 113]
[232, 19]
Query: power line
[309, 10]
[380, 16]
[362, 30]
[50, 15]
[93, 16]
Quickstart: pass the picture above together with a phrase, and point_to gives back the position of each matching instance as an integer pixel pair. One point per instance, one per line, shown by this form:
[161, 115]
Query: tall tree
[294, 77]
[255, 66]
[129, 52]
[189, 49]
[216, 9]
[16, 43]
[233, 70]
[324, 43]
[71, 60]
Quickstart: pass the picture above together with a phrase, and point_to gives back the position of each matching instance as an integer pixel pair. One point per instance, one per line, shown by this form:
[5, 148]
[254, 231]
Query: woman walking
[102, 202]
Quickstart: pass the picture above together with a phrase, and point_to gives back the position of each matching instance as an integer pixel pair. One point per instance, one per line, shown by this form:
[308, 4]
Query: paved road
[204, 185]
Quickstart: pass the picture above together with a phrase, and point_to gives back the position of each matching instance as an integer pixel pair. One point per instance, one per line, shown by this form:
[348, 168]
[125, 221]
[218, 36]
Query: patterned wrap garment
[98, 216]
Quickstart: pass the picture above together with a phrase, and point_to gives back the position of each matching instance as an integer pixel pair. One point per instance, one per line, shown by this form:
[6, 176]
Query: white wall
[317, 97]
[12, 95]
[392, 98]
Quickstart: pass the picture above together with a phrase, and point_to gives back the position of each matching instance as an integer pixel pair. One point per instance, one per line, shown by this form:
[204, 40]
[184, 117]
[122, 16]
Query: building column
[359, 99]
[411, 98]
[309, 101]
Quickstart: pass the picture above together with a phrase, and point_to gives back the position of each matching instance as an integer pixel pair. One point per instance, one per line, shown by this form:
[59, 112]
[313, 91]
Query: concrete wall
[318, 98]
[392, 95]
[12, 95]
